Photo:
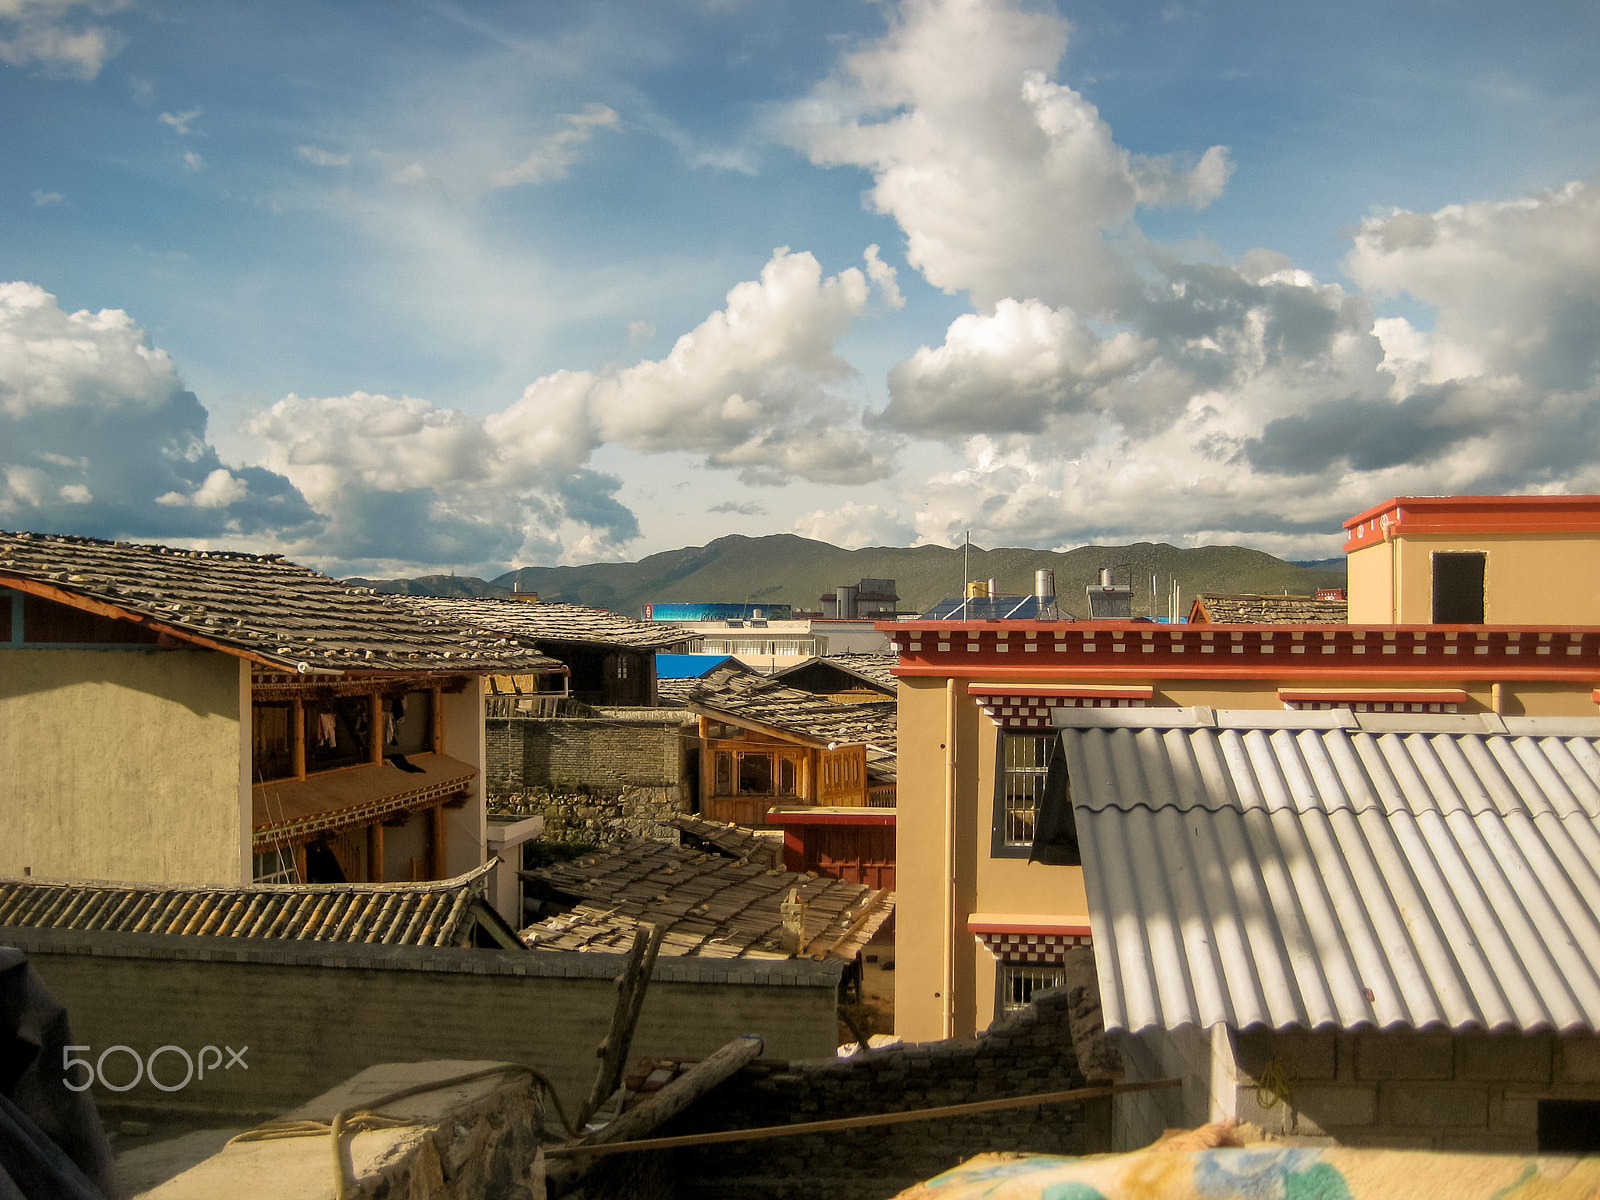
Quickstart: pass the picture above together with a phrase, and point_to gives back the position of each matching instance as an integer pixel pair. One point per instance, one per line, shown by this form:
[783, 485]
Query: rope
[362, 1118]
[1276, 1083]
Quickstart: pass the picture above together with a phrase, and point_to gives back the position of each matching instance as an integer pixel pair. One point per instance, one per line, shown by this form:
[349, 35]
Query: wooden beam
[595, 1146]
[437, 842]
[631, 986]
[436, 734]
[297, 738]
[375, 727]
[375, 852]
[101, 608]
[659, 1108]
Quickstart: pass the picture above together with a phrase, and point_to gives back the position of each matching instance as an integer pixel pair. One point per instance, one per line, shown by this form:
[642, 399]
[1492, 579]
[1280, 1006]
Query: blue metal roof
[687, 666]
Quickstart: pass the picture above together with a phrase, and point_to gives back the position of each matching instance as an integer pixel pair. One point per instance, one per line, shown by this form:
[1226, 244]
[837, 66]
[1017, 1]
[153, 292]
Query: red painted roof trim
[1415, 696]
[1108, 691]
[826, 816]
[1415, 515]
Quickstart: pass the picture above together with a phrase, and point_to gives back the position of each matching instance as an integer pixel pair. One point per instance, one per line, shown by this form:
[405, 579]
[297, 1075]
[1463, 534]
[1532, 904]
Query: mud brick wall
[314, 1013]
[1025, 1053]
[1410, 1090]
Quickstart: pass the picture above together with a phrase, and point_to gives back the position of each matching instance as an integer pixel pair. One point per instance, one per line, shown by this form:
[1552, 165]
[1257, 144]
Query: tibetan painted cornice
[1084, 650]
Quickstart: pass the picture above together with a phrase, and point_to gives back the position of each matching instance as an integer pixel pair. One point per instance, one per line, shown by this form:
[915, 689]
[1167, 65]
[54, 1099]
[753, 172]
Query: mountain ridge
[785, 568]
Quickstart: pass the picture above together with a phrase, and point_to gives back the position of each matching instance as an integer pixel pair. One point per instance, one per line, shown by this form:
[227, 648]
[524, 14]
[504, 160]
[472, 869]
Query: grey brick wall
[314, 1014]
[1410, 1090]
[1027, 1053]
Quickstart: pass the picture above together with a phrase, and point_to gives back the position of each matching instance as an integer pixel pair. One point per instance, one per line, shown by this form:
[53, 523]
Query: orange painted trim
[977, 924]
[1467, 515]
[1086, 690]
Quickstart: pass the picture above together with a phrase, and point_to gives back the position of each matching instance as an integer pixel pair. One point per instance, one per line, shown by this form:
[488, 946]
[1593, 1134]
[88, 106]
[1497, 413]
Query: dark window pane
[755, 774]
[1458, 588]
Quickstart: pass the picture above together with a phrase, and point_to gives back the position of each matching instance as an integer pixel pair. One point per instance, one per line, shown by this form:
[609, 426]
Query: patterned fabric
[1266, 1172]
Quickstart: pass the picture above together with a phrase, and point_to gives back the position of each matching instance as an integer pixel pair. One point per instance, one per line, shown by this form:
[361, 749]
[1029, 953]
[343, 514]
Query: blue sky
[417, 286]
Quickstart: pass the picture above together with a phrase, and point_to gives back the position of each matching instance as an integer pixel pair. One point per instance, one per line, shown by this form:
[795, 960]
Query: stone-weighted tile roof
[871, 669]
[538, 621]
[1220, 609]
[278, 613]
[439, 913]
[758, 699]
[706, 904]
[734, 841]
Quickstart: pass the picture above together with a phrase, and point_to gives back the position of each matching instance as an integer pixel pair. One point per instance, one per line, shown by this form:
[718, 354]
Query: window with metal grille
[1019, 981]
[1024, 762]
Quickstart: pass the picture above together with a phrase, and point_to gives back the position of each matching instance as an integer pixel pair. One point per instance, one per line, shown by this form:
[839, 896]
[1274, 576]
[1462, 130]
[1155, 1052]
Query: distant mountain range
[782, 568]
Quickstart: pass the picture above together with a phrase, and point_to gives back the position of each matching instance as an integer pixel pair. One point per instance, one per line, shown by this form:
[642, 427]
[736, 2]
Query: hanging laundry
[389, 734]
[327, 730]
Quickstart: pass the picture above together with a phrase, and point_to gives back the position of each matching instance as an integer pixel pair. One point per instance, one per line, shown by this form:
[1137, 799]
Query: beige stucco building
[983, 921]
[1475, 559]
[174, 716]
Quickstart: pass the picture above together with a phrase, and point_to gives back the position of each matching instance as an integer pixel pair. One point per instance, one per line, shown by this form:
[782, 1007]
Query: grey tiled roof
[707, 905]
[1271, 610]
[539, 621]
[873, 669]
[766, 702]
[732, 840]
[439, 913]
[276, 612]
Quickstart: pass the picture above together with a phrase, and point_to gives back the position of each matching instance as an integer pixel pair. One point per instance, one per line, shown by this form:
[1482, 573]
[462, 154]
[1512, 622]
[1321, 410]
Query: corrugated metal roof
[1335, 869]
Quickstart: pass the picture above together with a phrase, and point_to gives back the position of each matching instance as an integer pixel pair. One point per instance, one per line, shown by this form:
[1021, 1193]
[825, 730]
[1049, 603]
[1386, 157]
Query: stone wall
[1410, 1090]
[1025, 1053]
[314, 1013]
[620, 774]
[599, 818]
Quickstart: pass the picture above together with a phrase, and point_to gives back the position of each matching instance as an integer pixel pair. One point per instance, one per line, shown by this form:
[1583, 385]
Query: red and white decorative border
[1031, 947]
[1025, 707]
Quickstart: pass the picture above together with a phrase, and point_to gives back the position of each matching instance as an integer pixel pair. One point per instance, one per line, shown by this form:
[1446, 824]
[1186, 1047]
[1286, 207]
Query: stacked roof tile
[734, 841]
[875, 670]
[760, 701]
[706, 904]
[1219, 609]
[278, 613]
[440, 913]
[538, 621]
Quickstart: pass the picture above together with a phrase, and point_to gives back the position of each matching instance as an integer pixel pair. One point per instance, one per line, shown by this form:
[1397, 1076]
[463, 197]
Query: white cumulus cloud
[1005, 182]
[53, 36]
[99, 435]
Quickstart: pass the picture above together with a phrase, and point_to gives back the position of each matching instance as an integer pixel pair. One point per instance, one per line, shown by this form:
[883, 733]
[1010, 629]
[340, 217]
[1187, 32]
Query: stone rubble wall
[1028, 1052]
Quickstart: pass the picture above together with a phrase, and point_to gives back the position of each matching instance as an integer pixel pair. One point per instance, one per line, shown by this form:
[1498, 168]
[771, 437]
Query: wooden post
[436, 842]
[375, 851]
[300, 862]
[375, 728]
[631, 986]
[297, 743]
[437, 737]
